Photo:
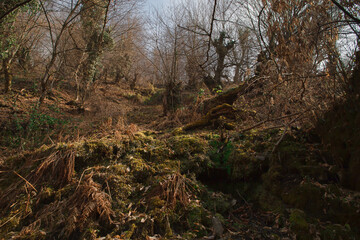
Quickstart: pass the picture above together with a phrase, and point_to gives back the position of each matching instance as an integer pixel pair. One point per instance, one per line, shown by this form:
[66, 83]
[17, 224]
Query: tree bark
[7, 74]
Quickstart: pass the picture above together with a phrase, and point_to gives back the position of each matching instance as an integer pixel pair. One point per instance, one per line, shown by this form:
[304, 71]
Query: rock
[218, 228]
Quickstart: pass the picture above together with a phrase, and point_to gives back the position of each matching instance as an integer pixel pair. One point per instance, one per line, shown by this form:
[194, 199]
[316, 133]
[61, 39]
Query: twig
[25, 181]
[346, 12]
[283, 134]
[108, 187]
[274, 119]
[28, 200]
[9, 219]
[82, 175]
[14, 8]
[242, 198]
[280, 140]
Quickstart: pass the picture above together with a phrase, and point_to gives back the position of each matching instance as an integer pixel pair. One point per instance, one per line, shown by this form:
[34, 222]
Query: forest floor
[118, 169]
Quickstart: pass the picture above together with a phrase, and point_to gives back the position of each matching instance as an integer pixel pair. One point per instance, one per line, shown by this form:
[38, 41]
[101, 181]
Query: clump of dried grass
[118, 127]
[175, 188]
[56, 169]
[178, 118]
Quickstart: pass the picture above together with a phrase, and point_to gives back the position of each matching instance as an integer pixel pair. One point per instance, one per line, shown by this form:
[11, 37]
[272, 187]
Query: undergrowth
[33, 129]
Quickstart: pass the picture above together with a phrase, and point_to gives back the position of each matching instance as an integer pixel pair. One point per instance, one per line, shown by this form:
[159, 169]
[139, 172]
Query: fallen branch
[272, 120]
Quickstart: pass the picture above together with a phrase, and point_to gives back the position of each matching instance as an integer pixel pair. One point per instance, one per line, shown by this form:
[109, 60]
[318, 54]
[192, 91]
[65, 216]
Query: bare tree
[55, 39]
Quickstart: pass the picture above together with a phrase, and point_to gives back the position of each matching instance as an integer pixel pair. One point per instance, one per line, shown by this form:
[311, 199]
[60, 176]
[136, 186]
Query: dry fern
[88, 204]
[58, 168]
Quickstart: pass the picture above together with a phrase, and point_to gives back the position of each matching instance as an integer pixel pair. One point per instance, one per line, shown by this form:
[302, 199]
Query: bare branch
[14, 8]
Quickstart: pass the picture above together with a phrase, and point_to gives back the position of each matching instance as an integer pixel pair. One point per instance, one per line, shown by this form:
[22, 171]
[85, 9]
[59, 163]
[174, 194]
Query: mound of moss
[132, 189]
[186, 186]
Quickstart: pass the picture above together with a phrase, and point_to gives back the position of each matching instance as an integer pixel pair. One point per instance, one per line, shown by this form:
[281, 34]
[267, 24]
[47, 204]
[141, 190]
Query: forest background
[75, 71]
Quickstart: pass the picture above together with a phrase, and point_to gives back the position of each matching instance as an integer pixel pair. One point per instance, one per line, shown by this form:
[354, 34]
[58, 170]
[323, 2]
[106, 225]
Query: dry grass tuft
[173, 189]
[57, 169]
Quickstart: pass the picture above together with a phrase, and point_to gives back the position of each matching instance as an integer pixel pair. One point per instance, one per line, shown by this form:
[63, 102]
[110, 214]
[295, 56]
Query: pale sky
[159, 4]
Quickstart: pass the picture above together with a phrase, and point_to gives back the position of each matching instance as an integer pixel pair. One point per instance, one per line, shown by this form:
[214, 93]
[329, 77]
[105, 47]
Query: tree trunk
[7, 74]
[44, 83]
[228, 97]
[219, 69]
[117, 75]
[237, 76]
[210, 83]
[133, 82]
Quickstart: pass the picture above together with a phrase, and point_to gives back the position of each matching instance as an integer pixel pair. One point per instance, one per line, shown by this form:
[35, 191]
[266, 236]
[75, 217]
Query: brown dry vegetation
[229, 120]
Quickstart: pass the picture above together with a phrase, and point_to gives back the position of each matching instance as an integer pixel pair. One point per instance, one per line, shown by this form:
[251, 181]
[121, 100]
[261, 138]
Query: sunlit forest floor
[116, 168]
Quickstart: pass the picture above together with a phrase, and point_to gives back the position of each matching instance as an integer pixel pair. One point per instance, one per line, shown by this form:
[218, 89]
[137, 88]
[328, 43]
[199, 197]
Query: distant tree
[56, 32]
[94, 15]
[13, 33]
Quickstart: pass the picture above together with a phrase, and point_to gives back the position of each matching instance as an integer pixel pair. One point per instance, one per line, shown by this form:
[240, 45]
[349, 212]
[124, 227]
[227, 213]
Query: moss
[128, 234]
[216, 202]
[245, 165]
[229, 126]
[132, 173]
[13, 218]
[168, 230]
[316, 172]
[200, 123]
[292, 153]
[119, 169]
[190, 235]
[337, 231]
[307, 196]
[178, 131]
[46, 195]
[155, 98]
[185, 145]
[272, 179]
[91, 153]
[299, 225]
[343, 207]
[64, 192]
[196, 164]
[144, 137]
[268, 201]
[196, 217]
